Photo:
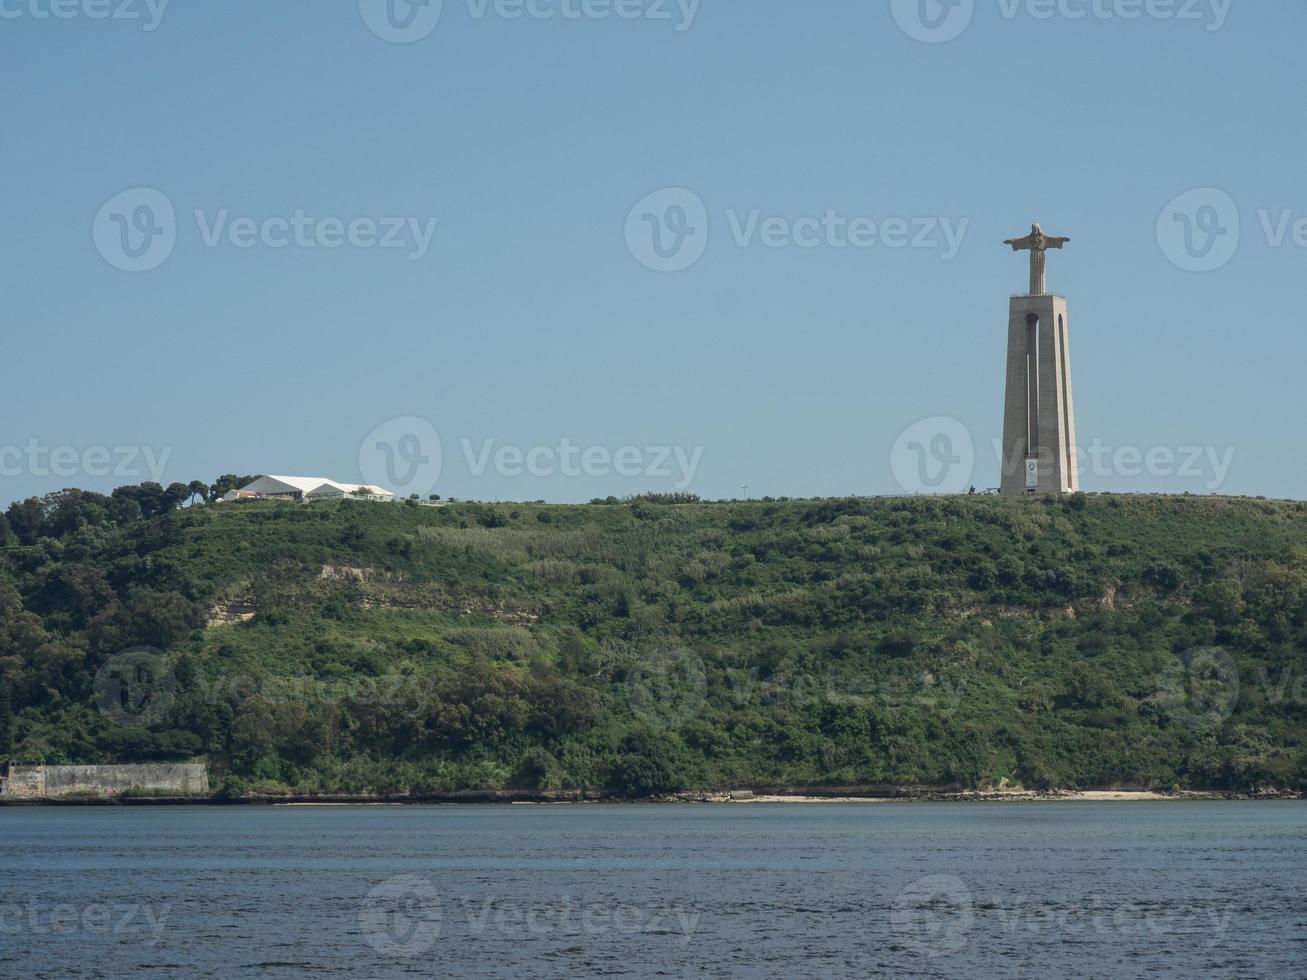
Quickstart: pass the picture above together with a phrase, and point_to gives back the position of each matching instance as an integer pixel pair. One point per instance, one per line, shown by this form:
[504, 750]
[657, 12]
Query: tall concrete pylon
[1039, 422]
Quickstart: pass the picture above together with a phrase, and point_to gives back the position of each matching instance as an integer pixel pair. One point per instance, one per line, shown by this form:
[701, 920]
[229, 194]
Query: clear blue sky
[529, 321]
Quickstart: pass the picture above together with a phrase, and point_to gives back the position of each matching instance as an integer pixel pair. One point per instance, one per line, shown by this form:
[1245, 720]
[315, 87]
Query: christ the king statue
[1038, 243]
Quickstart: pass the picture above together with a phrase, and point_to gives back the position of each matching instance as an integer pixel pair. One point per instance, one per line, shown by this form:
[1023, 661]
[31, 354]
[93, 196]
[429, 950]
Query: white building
[307, 489]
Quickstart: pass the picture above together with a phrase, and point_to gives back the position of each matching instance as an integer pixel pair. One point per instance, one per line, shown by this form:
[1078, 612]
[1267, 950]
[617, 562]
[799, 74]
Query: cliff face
[651, 646]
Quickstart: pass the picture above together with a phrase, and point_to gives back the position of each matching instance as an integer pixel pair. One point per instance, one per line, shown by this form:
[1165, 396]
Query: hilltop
[656, 645]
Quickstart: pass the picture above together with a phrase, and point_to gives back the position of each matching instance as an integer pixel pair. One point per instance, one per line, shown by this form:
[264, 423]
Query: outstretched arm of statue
[1055, 242]
[1019, 243]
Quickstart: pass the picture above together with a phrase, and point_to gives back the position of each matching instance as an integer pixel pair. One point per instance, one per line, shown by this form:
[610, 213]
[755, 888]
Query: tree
[25, 519]
[80, 588]
[174, 495]
[33, 663]
[1253, 759]
[229, 481]
[147, 618]
[536, 766]
[197, 488]
[151, 498]
[68, 510]
[650, 764]
[6, 718]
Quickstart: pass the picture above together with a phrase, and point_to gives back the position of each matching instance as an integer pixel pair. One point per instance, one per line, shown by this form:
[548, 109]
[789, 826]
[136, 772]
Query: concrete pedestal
[1039, 428]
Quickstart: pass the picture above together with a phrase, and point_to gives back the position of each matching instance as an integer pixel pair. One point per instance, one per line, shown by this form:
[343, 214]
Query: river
[878, 889]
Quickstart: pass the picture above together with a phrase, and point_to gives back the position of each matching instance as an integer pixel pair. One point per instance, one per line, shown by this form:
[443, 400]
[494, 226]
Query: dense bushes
[660, 643]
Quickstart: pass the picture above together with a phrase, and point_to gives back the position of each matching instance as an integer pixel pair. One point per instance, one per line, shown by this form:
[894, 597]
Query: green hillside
[651, 645]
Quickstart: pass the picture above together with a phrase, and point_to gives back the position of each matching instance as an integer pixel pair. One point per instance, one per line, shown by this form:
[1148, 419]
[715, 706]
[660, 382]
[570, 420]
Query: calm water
[1212, 889]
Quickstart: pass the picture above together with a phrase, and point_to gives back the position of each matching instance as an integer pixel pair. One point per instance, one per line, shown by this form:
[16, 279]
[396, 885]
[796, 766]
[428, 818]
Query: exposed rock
[231, 612]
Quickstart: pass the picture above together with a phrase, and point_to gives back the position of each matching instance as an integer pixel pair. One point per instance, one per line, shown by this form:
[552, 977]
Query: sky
[567, 249]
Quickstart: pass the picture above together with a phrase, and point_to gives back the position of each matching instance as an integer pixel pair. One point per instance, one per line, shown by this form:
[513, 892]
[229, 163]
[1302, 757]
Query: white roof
[304, 484]
[351, 487]
[301, 483]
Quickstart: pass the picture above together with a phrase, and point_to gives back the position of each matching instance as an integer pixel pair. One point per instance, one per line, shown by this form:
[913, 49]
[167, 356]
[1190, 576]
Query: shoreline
[768, 795]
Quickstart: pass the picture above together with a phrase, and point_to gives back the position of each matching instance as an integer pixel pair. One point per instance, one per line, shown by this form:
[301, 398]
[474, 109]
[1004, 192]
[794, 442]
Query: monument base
[1039, 432]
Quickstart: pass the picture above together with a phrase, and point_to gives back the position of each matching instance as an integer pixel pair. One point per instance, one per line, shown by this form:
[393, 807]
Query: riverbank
[767, 795]
[982, 796]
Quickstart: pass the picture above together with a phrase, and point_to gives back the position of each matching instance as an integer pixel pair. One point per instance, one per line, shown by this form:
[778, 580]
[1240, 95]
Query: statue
[1037, 242]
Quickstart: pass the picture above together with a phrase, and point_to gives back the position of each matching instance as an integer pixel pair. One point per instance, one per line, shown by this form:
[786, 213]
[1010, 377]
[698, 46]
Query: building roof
[351, 487]
[304, 484]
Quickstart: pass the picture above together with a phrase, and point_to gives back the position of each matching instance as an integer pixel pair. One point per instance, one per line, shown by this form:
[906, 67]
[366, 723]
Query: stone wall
[24, 781]
[51, 782]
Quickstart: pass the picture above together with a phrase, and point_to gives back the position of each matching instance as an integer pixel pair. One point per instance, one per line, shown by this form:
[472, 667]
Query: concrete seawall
[56, 782]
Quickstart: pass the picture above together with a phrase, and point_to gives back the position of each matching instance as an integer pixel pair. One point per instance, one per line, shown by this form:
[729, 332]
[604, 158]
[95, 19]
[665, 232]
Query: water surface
[1020, 889]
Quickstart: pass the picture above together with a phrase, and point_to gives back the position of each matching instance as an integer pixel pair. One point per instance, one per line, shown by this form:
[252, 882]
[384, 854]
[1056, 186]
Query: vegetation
[655, 644]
